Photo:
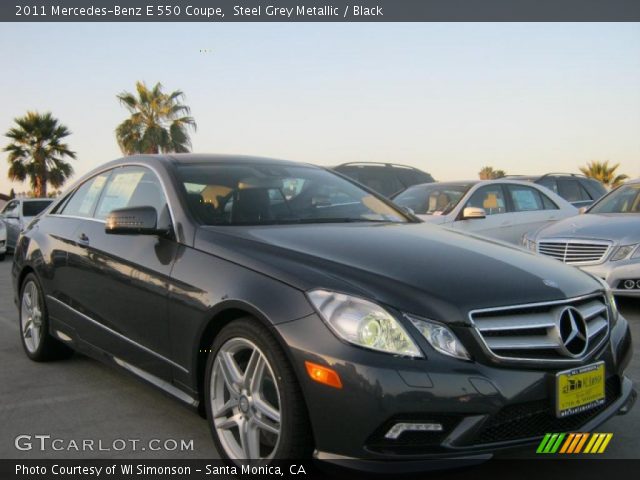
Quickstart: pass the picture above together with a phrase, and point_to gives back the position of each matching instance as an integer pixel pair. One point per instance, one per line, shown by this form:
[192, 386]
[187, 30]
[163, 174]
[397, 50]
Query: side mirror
[133, 221]
[582, 210]
[408, 210]
[473, 213]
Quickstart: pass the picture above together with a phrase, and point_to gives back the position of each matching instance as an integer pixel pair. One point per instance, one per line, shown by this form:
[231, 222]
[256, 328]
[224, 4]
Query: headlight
[623, 252]
[611, 300]
[363, 323]
[440, 337]
[637, 253]
[529, 244]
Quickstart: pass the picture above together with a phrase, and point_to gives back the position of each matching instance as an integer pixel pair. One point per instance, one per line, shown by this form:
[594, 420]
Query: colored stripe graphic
[574, 443]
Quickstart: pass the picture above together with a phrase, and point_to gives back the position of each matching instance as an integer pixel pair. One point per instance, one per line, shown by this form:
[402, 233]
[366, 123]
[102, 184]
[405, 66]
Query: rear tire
[2, 255]
[254, 404]
[36, 340]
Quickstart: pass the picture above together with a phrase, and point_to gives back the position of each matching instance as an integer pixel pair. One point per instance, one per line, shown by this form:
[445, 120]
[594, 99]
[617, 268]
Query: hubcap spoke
[26, 331]
[253, 372]
[229, 423]
[250, 440]
[265, 425]
[266, 410]
[228, 406]
[231, 372]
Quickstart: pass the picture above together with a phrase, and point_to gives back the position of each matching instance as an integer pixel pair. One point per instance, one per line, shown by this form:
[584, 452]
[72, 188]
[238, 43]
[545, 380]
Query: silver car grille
[574, 251]
[539, 332]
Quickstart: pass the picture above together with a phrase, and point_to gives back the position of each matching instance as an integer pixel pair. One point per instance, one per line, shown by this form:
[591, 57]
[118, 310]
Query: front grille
[533, 333]
[576, 252]
[534, 419]
[412, 442]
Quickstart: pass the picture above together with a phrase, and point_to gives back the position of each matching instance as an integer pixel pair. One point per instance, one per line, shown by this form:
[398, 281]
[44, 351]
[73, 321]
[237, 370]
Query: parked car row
[500, 209]
[15, 216]
[537, 212]
[286, 301]
[604, 241]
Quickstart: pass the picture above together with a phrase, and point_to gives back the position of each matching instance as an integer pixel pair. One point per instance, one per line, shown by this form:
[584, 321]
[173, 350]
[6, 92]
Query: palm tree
[605, 173]
[158, 121]
[488, 173]
[37, 151]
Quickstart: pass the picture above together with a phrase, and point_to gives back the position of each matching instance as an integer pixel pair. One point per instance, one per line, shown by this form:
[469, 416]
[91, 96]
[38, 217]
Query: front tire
[254, 404]
[38, 344]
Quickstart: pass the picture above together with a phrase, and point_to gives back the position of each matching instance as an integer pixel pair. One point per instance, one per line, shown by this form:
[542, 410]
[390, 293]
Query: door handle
[83, 239]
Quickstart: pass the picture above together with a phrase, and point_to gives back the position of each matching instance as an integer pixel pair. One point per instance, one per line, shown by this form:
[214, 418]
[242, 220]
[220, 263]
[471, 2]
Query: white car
[17, 214]
[3, 240]
[500, 209]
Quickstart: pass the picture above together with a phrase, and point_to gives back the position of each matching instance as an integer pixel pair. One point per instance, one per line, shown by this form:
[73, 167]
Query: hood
[434, 219]
[622, 228]
[416, 268]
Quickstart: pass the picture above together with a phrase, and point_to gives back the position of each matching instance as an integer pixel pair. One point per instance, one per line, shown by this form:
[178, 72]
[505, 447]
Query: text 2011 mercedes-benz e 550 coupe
[290, 303]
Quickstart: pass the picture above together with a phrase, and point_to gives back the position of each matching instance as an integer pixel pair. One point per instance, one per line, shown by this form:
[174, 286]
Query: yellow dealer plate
[580, 389]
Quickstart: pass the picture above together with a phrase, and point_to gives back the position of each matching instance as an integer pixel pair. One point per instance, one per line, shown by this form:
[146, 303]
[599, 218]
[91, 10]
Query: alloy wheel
[31, 317]
[245, 401]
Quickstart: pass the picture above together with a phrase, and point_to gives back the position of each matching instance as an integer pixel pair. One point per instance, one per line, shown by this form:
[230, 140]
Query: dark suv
[576, 189]
[387, 179]
[290, 305]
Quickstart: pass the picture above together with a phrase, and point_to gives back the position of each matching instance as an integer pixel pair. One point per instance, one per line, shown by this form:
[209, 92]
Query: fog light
[399, 428]
[638, 284]
[629, 284]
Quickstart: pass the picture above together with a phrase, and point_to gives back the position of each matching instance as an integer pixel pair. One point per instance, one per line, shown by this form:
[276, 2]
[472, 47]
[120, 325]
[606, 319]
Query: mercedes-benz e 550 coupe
[289, 304]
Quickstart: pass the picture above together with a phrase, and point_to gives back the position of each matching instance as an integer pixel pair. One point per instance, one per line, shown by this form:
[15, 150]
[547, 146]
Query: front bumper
[482, 406]
[614, 273]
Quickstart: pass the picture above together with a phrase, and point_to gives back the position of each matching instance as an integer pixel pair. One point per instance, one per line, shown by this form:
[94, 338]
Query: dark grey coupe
[289, 305]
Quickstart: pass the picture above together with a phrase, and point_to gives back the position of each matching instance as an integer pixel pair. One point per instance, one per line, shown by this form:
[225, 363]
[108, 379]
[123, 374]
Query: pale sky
[448, 98]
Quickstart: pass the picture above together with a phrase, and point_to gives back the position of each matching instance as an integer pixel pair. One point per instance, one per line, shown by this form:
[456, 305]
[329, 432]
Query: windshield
[432, 199]
[260, 194]
[31, 209]
[625, 199]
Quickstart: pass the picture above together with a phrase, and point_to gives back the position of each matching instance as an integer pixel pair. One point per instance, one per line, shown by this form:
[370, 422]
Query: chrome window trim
[113, 168]
[524, 360]
[118, 334]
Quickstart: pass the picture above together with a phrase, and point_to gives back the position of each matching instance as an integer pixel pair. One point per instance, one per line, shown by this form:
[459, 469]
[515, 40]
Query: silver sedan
[604, 241]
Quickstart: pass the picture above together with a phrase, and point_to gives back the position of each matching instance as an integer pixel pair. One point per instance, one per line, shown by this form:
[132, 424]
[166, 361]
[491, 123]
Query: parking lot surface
[81, 399]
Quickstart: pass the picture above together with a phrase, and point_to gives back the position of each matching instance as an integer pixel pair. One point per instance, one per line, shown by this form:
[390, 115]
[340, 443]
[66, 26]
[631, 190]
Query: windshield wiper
[331, 220]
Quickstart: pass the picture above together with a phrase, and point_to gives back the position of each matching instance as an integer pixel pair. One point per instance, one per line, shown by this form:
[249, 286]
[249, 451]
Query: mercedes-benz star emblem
[573, 332]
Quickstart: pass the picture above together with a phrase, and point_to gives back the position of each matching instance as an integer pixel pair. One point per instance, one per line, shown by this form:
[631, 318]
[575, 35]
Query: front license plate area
[580, 389]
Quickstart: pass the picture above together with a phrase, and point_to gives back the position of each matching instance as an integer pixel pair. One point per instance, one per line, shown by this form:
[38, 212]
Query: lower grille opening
[411, 442]
[534, 419]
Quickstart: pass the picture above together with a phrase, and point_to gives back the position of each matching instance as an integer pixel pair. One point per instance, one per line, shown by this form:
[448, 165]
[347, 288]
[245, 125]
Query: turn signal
[323, 375]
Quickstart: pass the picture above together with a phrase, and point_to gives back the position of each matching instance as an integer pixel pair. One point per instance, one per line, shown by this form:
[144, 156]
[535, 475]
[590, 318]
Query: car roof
[195, 158]
[470, 183]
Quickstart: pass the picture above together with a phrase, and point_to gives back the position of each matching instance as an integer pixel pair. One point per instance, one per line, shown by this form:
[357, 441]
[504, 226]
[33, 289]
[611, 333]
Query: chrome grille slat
[574, 251]
[522, 343]
[531, 333]
[596, 327]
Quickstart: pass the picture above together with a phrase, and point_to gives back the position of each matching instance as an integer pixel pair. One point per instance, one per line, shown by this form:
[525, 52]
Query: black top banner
[320, 11]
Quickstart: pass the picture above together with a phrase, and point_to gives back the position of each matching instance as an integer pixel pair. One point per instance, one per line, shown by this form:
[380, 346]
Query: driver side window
[490, 198]
[133, 187]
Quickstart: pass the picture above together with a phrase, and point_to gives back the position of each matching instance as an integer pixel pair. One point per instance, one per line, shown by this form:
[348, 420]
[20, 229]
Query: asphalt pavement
[81, 404]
